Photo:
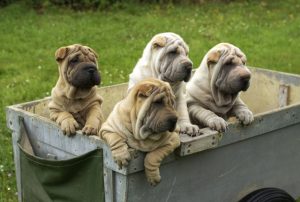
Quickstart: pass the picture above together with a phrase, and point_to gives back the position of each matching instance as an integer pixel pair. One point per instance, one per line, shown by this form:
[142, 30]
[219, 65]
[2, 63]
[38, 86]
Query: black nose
[246, 77]
[172, 123]
[188, 71]
[90, 68]
[187, 66]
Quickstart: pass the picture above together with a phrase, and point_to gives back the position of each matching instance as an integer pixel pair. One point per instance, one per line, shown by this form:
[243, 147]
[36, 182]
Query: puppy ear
[146, 90]
[61, 53]
[213, 57]
[159, 41]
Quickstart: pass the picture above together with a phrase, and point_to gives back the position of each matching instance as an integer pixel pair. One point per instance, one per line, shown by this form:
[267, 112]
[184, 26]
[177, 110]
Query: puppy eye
[142, 95]
[173, 52]
[74, 60]
[244, 63]
[228, 62]
[160, 101]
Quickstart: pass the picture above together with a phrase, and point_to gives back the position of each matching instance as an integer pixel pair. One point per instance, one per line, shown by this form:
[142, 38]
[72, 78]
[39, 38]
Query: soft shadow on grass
[268, 32]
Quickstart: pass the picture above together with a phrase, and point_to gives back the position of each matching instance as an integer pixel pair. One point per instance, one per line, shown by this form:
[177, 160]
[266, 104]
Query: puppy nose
[188, 66]
[91, 69]
[172, 123]
[189, 70]
[245, 76]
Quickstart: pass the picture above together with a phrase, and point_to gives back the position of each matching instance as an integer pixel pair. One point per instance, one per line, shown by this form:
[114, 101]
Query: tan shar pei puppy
[166, 58]
[146, 121]
[75, 102]
[213, 91]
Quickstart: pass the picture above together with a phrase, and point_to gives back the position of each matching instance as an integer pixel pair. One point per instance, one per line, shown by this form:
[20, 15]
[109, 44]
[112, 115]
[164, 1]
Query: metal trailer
[212, 167]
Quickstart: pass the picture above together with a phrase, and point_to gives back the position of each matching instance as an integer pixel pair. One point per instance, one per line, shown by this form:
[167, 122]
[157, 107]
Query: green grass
[268, 32]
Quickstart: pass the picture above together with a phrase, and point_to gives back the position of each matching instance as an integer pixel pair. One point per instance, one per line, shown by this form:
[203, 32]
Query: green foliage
[6, 2]
[267, 31]
[83, 4]
[39, 5]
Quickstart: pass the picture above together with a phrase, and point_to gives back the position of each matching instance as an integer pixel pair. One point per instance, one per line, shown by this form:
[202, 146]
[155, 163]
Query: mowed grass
[267, 31]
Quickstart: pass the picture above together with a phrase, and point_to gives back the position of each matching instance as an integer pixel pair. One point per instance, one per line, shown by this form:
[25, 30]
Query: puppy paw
[188, 128]
[89, 130]
[121, 156]
[217, 123]
[245, 117]
[153, 177]
[69, 126]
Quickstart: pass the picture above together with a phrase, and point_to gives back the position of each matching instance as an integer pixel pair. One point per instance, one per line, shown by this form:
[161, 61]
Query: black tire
[268, 195]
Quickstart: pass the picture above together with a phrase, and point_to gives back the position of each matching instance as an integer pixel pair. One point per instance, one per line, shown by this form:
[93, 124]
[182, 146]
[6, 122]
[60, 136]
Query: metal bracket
[283, 95]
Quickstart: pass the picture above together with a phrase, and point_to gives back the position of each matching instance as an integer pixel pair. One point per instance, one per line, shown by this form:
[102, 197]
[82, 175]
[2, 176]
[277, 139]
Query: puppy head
[228, 70]
[154, 107]
[78, 66]
[169, 56]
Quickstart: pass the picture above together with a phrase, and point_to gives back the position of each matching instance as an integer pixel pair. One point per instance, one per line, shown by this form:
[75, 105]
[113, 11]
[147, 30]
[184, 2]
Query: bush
[39, 5]
[6, 2]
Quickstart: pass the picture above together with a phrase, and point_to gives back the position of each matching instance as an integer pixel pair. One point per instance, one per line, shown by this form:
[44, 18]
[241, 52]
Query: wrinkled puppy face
[233, 75]
[78, 66]
[171, 58]
[155, 103]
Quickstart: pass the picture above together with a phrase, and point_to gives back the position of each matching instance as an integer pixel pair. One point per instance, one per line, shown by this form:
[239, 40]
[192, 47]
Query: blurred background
[268, 32]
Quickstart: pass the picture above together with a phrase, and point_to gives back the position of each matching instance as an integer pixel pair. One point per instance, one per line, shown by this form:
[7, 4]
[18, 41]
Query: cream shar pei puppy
[166, 58]
[75, 102]
[146, 121]
[213, 91]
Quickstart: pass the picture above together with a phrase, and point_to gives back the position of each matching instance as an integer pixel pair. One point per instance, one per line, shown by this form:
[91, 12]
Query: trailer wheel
[268, 195]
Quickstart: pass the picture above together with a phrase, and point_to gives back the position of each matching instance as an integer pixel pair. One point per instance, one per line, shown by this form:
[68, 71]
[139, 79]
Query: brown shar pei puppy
[146, 121]
[213, 91]
[75, 102]
[166, 58]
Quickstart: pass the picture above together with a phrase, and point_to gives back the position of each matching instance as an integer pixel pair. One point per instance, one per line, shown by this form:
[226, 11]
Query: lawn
[267, 31]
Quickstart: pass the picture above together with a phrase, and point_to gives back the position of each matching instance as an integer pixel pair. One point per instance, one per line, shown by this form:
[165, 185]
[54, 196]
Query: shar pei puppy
[144, 120]
[166, 58]
[75, 102]
[213, 91]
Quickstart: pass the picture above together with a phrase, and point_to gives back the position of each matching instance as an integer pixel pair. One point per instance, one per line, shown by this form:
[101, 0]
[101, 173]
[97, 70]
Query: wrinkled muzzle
[157, 115]
[86, 75]
[234, 79]
[162, 120]
[178, 70]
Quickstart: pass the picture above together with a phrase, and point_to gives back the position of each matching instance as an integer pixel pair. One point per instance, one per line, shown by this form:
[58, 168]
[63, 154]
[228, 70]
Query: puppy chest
[74, 106]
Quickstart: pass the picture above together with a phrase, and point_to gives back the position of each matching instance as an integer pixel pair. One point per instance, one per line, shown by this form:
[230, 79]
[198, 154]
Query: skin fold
[75, 103]
[213, 91]
[166, 58]
[145, 120]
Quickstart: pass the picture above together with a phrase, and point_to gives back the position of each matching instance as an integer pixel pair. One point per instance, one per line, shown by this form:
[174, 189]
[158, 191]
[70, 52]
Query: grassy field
[267, 31]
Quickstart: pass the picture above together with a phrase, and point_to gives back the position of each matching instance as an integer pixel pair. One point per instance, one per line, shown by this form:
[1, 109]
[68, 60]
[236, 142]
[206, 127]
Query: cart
[211, 167]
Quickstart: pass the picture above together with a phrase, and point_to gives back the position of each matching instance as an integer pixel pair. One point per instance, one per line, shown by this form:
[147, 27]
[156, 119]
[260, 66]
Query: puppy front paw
[188, 128]
[69, 126]
[153, 176]
[245, 116]
[90, 130]
[121, 156]
[217, 123]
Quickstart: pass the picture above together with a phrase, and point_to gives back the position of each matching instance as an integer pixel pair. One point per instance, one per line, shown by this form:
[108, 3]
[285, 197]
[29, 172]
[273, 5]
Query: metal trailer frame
[212, 167]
